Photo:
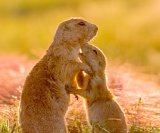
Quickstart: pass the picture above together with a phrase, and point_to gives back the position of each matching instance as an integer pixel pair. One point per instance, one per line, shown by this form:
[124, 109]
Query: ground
[138, 94]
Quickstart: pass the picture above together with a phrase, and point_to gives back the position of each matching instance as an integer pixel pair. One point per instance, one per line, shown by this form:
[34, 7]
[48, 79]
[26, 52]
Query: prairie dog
[104, 113]
[44, 100]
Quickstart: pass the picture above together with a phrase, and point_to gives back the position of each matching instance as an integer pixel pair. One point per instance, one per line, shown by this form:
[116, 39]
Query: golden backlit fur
[44, 100]
[103, 111]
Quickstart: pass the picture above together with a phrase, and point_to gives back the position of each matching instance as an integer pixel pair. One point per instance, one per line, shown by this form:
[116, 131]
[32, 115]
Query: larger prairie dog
[104, 113]
[44, 100]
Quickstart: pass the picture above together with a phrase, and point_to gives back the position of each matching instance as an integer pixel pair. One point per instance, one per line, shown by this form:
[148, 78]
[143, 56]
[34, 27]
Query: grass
[134, 128]
[9, 124]
[9, 120]
[14, 70]
[128, 29]
[128, 32]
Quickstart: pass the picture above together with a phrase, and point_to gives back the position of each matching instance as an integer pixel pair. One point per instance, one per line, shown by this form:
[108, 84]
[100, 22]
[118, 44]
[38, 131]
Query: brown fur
[104, 113]
[44, 100]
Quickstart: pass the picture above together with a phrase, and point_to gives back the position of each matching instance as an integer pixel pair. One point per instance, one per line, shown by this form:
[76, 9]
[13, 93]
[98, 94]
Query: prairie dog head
[94, 57]
[75, 31]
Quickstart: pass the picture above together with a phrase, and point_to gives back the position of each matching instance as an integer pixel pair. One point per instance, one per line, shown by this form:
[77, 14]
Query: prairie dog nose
[96, 28]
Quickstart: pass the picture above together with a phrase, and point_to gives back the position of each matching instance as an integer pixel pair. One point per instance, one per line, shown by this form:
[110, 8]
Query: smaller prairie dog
[104, 113]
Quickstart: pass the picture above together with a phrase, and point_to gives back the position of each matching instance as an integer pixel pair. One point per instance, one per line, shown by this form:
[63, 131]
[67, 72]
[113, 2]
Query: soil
[138, 96]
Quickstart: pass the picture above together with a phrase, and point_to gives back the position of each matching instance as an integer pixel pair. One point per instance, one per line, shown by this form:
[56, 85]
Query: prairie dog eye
[95, 51]
[81, 23]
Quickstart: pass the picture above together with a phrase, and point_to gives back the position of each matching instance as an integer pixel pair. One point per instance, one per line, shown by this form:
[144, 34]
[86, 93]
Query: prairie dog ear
[66, 27]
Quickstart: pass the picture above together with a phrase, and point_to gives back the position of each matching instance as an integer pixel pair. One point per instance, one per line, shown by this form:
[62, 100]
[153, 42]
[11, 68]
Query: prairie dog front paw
[69, 89]
[88, 70]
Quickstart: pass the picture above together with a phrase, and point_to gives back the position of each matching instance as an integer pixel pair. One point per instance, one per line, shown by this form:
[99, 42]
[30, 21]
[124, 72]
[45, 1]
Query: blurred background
[129, 30]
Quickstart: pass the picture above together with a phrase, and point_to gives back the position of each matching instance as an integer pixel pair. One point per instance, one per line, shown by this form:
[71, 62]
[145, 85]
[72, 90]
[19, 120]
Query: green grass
[128, 30]
[12, 126]
[76, 123]
[134, 128]
[9, 121]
